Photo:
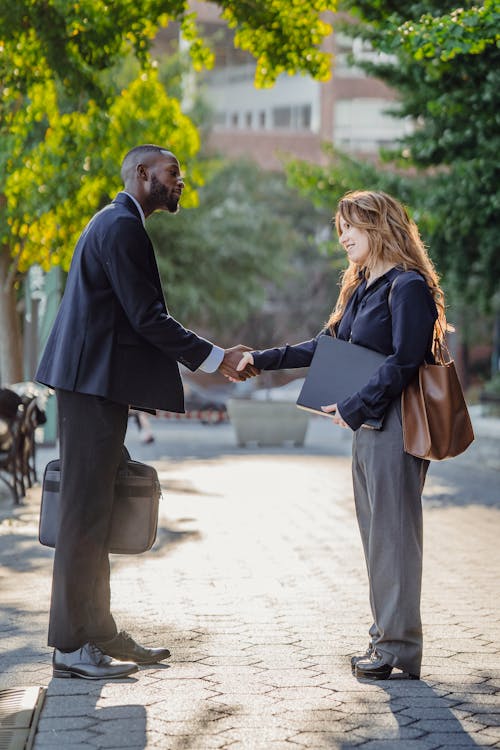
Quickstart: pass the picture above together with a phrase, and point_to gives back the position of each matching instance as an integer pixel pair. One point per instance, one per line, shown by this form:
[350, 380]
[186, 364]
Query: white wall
[362, 124]
[239, 104]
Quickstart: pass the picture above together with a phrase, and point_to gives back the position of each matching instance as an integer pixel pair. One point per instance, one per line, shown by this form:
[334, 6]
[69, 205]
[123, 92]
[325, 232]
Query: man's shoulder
[118, 214]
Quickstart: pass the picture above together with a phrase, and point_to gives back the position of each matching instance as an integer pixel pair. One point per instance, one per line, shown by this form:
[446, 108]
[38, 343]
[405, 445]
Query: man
[113, 344]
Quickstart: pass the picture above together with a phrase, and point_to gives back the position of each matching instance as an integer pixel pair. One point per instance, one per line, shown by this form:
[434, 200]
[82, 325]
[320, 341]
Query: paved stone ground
[257, 584]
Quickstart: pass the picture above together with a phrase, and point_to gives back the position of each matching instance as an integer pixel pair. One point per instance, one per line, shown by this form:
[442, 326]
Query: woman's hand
[337, 419]
[246, 359]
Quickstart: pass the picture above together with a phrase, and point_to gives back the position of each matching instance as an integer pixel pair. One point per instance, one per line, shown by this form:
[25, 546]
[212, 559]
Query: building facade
[298, 114]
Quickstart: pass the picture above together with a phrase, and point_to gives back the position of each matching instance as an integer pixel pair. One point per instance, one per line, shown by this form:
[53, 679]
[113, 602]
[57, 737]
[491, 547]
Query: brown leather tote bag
[436, 422]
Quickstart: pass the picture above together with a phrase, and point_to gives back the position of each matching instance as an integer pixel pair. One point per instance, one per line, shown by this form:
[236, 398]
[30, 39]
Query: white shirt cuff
[212, 362]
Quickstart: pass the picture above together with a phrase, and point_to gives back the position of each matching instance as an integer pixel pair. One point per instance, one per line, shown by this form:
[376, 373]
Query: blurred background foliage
[247, 258]
[251, 253]
[445, 66]
[66, 122]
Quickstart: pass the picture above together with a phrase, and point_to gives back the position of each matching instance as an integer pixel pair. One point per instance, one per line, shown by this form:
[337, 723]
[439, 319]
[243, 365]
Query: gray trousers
[388, 485]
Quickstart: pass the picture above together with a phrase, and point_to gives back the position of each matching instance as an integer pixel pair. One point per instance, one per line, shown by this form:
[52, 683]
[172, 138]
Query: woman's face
[355, 242]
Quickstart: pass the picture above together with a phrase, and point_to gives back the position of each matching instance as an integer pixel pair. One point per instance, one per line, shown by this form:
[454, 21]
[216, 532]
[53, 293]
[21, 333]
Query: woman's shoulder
[408, 282]
[411, 276]
[411, 288]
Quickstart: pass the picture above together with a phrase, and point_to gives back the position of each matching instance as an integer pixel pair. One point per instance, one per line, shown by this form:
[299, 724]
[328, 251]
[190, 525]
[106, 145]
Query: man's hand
[232, 357]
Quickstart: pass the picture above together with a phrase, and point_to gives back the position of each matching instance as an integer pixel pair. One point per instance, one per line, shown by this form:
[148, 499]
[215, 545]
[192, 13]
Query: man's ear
[142, 172]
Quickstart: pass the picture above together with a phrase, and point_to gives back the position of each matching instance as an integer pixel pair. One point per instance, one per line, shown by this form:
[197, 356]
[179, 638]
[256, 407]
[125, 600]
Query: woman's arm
[281, 357]
[285, 357]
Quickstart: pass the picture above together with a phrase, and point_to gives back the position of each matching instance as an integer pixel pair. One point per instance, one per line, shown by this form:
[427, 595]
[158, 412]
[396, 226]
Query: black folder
[338, 370]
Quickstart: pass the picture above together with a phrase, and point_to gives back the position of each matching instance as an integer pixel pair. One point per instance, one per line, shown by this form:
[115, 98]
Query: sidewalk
[257, 585]
[486, 447]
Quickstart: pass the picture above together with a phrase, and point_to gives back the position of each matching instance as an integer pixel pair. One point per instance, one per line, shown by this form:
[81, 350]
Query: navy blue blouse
[402, 330]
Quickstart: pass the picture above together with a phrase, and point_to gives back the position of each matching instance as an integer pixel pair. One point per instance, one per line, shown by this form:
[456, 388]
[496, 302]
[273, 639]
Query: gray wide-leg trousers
[388, 485]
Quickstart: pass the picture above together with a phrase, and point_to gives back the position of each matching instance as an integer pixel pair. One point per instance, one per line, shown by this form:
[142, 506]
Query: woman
[390, 301]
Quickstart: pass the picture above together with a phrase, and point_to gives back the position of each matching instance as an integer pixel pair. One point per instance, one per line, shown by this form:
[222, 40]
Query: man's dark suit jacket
[113, 335]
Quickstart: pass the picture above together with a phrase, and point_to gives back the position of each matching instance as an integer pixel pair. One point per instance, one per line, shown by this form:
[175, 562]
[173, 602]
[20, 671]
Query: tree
[251, 242]
[446, 72]
[443, 62]
[65, 124]
[445, 68]
[326, 184]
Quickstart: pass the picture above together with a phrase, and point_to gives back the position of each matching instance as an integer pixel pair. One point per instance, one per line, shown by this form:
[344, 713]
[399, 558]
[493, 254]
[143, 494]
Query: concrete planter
[267, 422]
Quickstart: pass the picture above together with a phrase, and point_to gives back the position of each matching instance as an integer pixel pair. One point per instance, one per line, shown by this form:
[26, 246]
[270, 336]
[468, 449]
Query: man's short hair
[137, 154]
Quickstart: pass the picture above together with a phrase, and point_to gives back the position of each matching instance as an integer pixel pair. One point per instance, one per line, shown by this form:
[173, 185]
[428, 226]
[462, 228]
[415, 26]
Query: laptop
[338, 370]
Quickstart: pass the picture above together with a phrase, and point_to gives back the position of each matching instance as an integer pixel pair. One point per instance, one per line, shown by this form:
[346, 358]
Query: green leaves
[56, 185]
[244, 242]
[283, 36]
[446, 70]
[235, 239]
[462, 32]
[67, 118]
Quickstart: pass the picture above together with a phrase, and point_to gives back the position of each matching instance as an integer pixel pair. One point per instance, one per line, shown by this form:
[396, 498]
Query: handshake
[237, 364]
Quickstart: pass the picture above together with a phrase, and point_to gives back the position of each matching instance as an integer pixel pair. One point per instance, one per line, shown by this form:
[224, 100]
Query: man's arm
[129, 262]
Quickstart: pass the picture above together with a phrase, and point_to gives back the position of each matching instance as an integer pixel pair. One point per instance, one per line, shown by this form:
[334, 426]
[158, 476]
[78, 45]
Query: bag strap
[389, 296]
[391, 287]
[440, 350]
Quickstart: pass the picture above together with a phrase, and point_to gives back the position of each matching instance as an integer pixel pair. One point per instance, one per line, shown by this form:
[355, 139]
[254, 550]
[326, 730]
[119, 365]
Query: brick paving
[257, 585]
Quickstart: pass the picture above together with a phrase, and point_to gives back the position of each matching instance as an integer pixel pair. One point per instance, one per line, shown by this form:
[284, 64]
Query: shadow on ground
[71, 713]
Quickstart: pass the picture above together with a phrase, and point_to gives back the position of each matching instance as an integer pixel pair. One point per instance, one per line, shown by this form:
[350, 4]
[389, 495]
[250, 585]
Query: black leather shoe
[366, 655]
[123, 646]
[375, 668]
[90, 663]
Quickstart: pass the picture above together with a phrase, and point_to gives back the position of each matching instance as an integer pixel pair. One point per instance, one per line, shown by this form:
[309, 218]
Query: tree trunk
[11, 360]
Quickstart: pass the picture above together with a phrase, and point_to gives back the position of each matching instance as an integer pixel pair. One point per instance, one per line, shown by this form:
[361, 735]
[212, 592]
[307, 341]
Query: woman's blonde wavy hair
[393, 238]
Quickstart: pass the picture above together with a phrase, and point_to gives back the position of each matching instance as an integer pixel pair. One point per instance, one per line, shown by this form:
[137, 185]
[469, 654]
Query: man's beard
[161, 197]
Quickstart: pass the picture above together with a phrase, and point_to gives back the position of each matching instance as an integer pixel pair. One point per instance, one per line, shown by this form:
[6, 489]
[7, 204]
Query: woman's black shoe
[375, 668]
[366, 655]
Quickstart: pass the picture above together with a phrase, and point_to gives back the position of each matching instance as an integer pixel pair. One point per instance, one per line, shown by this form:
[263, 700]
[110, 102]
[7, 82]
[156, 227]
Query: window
[304, 117]
[282, 117]
[363, 124]
[297, 117]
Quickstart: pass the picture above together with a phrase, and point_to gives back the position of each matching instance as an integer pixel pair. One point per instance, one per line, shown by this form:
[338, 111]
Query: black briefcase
[135, 512]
